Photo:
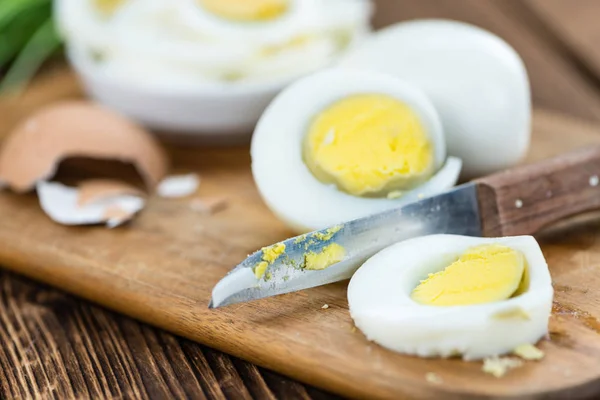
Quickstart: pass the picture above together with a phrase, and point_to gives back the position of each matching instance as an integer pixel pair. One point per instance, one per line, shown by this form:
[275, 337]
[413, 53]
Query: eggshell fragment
[32, 152]
[208, 205]
[93, 190]
[113, 206]
[176, 186]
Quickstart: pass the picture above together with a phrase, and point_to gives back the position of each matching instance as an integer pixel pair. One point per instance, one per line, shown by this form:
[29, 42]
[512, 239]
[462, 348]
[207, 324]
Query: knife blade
[455, 211]
[517, 201]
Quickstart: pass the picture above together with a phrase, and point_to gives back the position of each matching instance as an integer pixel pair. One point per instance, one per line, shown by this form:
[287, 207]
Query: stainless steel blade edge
[452, 212]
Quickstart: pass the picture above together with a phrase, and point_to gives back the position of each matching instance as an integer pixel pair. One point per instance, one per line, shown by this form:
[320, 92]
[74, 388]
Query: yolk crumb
[260, 269]
[330, 255]
[246, 10]
[328, 234]
[483, 274]
[269, 255]
[528, 352]
[369, 144]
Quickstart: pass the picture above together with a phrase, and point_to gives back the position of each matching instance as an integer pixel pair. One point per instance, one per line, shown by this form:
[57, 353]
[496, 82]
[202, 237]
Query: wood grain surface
[55, 345]
[161, 269]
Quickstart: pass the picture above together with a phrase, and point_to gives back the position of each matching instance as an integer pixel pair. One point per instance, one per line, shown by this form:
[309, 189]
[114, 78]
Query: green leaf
[11, 9]
[15, 34]
[39, 47]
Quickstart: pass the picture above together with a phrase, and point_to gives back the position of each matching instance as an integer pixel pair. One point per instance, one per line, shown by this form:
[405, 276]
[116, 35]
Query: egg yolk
[330, 255]
[368, 145]
[107, 7]
[246, 10]
[269, 255]
[483, 274]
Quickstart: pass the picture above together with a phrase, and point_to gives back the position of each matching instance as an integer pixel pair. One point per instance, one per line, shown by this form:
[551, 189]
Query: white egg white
[285, 182]
[476, 81]
[298, 18]
[381, 306]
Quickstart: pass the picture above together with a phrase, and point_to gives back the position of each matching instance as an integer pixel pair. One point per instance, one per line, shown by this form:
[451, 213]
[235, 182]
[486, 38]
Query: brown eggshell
[117, 214]
[34, 149]
[93, 190]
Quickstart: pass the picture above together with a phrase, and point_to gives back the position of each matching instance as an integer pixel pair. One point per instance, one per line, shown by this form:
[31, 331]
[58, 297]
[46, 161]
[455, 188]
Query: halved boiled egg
[476, 81]
[340, 145]
[447, 295]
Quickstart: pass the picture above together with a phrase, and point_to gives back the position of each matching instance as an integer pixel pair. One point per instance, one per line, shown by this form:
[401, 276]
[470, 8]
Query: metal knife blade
[453, 212]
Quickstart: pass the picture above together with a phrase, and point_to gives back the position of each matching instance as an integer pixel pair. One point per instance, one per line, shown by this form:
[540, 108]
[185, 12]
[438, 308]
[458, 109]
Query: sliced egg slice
[340, 145]
[448, 295]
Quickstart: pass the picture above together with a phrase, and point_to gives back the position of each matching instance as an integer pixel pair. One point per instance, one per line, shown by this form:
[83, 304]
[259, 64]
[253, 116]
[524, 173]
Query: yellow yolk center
[483, 274]
[369, 145]
[246, 10]
[107, 7]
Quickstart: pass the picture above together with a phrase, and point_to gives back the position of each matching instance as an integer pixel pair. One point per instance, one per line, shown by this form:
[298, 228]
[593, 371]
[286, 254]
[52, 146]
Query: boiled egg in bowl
[449, 295]
[339, 145]
[203, 66]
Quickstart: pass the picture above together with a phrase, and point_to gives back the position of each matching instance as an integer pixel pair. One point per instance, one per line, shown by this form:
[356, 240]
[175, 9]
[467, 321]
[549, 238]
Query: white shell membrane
[380, 303]
[285, 182]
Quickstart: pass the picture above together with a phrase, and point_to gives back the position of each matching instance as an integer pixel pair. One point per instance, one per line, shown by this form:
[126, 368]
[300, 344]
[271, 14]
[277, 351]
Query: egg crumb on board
[528, 352]
[176, 186]
[187, 44]
[499, 366]
[356, 143]
[325, 306]
[433, 378]
[448, 295]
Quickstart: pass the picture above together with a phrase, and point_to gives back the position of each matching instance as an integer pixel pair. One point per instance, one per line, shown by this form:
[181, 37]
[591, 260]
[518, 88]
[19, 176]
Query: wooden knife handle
[521, 200]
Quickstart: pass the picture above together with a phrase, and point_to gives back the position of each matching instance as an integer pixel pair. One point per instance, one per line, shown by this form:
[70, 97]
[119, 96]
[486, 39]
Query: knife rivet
[594, 180]
[519, 203]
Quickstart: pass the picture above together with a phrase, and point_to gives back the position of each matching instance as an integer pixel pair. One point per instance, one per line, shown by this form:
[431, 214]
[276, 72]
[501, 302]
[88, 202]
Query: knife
[517, 201]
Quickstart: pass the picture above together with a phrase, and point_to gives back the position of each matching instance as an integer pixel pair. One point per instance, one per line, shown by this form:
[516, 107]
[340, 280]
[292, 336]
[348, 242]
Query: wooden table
[47, 336]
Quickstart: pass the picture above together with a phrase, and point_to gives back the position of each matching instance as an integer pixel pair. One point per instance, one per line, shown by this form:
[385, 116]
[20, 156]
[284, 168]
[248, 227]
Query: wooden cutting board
[161, 269]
